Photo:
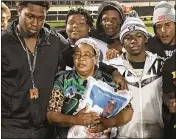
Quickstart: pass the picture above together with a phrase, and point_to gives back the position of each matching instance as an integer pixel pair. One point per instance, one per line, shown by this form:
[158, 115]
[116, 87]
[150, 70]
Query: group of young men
[32, 54]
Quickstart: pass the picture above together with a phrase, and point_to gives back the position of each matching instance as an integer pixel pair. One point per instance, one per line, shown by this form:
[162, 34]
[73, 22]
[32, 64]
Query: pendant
[34, 93]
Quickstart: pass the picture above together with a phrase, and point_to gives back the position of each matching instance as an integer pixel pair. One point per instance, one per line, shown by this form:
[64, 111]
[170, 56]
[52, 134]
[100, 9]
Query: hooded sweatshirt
[147, 96]
[99, 31]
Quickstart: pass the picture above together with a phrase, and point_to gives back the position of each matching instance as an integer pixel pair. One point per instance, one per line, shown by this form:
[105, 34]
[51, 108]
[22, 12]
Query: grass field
[61, 24]
[149, 26]
[150, 29]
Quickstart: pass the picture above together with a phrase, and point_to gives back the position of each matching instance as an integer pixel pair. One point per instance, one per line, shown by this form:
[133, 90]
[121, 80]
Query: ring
[174, 104]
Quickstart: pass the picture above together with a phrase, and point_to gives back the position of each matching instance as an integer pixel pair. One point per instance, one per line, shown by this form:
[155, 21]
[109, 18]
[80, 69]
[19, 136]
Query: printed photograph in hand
[108, 108]
[104, 103]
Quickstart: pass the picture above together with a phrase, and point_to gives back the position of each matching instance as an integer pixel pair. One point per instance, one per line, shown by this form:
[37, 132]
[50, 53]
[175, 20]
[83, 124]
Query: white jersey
[147, 97]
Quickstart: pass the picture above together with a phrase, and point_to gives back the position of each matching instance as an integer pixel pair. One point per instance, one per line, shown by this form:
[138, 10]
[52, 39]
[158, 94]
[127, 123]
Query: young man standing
[109, 21]
[31, 55]
[142, 71]
[164, 41]
[169, 96]
[164, 44]
[79, 23]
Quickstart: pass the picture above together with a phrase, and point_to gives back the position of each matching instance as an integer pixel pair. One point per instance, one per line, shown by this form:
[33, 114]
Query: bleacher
[59, 11]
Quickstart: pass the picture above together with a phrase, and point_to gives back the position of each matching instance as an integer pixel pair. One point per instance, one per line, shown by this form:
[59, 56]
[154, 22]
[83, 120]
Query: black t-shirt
[137, 65]
[154, 45]
[169, 86]
[169, 75]
[138, 68]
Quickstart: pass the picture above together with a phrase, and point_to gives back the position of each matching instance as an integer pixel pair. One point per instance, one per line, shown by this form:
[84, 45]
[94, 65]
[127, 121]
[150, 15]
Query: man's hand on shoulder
[119, 80]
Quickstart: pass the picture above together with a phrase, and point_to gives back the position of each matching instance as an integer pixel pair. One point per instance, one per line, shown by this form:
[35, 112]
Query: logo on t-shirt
[169, 53]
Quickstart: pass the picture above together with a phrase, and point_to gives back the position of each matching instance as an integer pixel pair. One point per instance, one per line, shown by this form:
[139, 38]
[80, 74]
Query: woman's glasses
[85, 56]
